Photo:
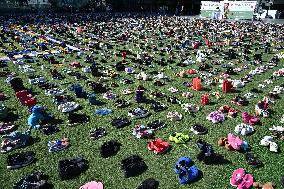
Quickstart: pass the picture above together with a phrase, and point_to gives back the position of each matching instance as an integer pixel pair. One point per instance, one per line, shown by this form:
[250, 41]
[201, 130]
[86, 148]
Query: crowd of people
[157, 70]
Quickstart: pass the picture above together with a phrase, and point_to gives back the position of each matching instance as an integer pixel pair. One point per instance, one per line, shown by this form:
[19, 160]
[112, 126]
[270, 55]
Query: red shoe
[158, 146]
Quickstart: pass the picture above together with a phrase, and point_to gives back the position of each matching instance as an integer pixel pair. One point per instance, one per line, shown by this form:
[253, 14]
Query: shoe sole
[19, 166]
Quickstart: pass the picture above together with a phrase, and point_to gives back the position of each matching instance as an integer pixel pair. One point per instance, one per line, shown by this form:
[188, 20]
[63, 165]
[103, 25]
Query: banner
[229, 9]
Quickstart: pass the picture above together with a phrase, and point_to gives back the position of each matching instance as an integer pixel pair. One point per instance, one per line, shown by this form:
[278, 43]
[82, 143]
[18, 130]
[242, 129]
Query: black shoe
[35, 181]
[199, 129]
[120, 122]
[252, 160]
[18, 160]
[149, 183]
[70, 168]
[133, 166]
[50, 129]
[97, 133]
[157, 106]
[110, 148]
[155, 125]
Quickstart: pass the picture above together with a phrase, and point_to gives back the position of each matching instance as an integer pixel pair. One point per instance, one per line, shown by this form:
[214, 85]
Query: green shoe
[179, 138]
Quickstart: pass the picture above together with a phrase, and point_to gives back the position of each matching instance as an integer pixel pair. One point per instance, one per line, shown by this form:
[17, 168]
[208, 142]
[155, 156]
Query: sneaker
[138, 113]
[19, 160]
[68, 107]
[97, 133]
[199, 129]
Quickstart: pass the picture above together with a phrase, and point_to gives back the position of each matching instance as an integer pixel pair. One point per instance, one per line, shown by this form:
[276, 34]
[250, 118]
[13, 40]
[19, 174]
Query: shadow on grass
[11, 117]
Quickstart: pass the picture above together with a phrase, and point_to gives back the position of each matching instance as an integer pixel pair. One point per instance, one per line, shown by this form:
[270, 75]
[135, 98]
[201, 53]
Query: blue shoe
[188, 175]
[182, 162]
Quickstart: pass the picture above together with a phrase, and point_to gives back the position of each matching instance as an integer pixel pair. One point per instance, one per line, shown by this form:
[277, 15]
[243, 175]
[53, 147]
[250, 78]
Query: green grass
[160, 167]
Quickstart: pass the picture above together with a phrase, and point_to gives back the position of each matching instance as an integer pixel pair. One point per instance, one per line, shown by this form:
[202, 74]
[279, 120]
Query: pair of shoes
[120, 122]
[244, 129]
[68, 107]
[110, 148]
[35, 180]
[58, 145]
[121, 103]
[156, 124]
[174, 116]
[103, 111]
[232, 113]
[138, 113]
[70, 168]
[241, 180]
[206, 154]
[252, 160]
[199, 129]
[268, 141]
[49, 129]
[240, 101]
[158, 106]
[97, 133]
[179, 138]
[133, 166]
[250, 119]
[158, 146]
[6, 127]
[186, 171]
[149, 183]
[216, 117]
[18, 160]
[74, 119]
[141, 131]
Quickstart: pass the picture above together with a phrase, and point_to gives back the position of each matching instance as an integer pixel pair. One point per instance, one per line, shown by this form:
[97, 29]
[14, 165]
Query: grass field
[160, 167]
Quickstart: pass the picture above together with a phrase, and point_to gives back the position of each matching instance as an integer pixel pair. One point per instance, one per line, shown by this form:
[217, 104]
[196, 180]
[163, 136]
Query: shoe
[120, 122]
[75, 119]
[188, 175]
[252, 160]
[237, 177]
[97, 133]
[185, 162]
[133, 166]
[121, 103]
[149, 183]
[36, 180]
[58, 145]
[155, 125]
[174, 116]
[110, 148]
[179, 138]
[158, 146]
[199, 129]
[235, 142]
[247, 182]
[158, 106]
[18, 160]
[50, 129]
[244, 129]
[6, 127]
[138, 113]
[141, 131]
[70, 168]
[68, 107]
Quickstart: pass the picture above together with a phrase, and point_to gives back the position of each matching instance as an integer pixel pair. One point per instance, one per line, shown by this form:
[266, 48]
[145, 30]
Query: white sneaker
[273, 147]
[266, 141]
[68, 107]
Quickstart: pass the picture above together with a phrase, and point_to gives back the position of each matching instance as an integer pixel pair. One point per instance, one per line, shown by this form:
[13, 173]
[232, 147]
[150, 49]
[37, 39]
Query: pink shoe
[92, 185]
[247, 182]
[235, 141]
[253, 121]
[237, 177]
